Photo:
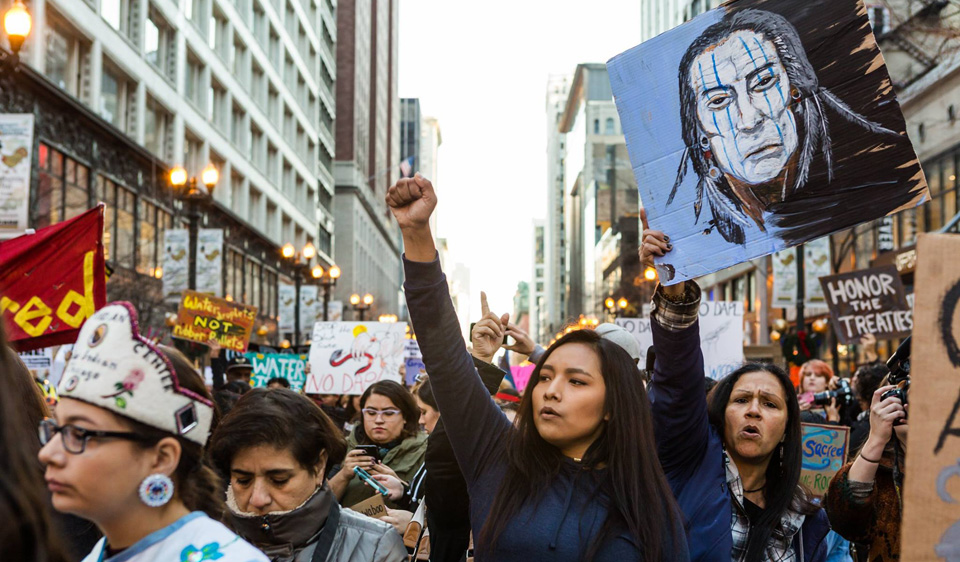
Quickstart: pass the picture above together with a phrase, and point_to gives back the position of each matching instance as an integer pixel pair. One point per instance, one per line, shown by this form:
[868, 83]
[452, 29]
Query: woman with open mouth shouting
[732, 459]
[577, 478]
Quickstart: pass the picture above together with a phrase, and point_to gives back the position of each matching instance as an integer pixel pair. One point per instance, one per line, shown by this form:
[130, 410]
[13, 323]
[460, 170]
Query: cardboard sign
[202, 317]
[347, 357]
[760, 125]
[521, 374]
[52, 281]
[824, 451]
[931, 494]
[870, 301]
[268, 366]
[721, 336]
[371, 507]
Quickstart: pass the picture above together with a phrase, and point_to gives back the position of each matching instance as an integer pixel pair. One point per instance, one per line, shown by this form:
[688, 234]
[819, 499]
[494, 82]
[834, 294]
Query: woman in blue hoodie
[732, 459]
[576, 480]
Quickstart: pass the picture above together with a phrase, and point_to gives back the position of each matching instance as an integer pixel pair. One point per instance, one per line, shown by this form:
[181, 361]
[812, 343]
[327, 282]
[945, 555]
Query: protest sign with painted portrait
[760, 125]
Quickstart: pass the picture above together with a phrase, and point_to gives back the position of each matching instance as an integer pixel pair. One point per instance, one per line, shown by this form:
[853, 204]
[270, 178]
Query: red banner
[52, 281]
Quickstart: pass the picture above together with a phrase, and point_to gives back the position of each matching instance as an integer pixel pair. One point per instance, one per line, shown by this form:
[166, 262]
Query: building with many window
[368, 149]
[554, 312]
[123, 90]
[601, 199]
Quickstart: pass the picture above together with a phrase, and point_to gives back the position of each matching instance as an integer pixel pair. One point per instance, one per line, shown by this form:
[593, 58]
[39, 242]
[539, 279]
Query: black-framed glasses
[75, 438]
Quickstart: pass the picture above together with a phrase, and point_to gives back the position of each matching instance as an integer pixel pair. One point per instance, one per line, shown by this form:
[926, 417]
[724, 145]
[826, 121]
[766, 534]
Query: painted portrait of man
[770, 153]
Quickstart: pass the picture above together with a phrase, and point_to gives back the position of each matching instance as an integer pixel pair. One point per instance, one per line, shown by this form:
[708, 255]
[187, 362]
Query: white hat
[116, 369]
[621, 337]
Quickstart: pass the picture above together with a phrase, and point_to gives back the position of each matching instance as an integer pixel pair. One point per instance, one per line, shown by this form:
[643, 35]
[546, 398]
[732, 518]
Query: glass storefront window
[50, 187]
[106, 193]
[125, 230]
[147, 240]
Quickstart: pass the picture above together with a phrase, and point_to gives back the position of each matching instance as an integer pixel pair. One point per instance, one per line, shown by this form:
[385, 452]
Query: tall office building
[245, 85]
[554, 312]
[368, 150]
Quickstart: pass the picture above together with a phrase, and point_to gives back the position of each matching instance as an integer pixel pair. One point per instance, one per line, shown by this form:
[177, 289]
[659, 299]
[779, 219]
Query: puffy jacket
[292, 536]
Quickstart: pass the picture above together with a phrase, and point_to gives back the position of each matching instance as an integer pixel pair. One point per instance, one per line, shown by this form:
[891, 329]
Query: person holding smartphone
[387, 441]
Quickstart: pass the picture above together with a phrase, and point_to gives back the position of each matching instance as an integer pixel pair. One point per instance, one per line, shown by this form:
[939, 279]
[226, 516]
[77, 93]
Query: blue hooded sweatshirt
[572, 509]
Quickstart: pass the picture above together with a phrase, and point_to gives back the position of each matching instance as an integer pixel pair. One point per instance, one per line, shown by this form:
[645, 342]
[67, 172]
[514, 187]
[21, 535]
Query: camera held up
[899, 365]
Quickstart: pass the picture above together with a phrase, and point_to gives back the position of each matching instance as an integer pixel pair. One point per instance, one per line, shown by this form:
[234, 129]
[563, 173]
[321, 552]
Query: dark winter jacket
[691, 451]
[571, 511]
[448, 513]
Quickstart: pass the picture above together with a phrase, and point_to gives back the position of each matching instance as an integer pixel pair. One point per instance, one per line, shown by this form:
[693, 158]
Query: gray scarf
[282, 534]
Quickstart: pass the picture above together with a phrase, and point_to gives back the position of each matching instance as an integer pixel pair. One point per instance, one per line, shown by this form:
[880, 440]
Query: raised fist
[412, 201]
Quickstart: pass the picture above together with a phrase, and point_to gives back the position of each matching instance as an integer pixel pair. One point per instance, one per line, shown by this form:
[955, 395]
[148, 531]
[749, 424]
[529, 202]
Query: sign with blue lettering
[824, 449]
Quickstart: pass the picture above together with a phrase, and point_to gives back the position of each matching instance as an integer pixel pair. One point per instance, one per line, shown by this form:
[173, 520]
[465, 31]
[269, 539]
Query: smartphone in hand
[370, 451]
[365, 476]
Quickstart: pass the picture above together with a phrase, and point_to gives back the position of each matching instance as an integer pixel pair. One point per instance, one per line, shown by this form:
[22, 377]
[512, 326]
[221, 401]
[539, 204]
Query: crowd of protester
[598, 458]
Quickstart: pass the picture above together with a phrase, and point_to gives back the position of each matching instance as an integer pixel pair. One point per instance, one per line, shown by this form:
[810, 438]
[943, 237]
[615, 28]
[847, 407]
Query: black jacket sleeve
[448, 503]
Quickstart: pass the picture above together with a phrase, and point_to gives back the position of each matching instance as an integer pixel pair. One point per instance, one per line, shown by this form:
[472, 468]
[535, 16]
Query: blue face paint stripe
[769, 105]
[733, 131]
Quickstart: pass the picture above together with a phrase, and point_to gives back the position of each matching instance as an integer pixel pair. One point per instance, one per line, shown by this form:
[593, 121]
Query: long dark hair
[806, 99]
[195, 482]
[640, 500]
[22, 494]
[782, 490]
[401, 398]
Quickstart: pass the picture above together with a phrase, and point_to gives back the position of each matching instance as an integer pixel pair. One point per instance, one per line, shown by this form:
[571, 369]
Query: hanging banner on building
[267, 366]
[824, 450]
[931, 494]
[203, 317]
[176, 263]
[816, 265]
[870, 301]
[335, 311]
[413, 361]
[721, 336]
[309, 307]
[210, 261]
[16, 162]
[347, 357]
[52, 281]
[760, 125]
[288, 308]
[885, 240]
[784, 279]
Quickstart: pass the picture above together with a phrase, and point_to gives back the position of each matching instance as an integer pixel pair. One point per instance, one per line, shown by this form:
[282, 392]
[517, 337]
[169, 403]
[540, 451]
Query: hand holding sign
[487, 334]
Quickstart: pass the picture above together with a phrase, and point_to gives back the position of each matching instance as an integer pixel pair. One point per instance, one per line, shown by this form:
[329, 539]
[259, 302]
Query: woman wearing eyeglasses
[391, 422]
[126, 447]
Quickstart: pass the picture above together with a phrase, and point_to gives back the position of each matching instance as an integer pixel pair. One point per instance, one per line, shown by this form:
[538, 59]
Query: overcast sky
[481, 69]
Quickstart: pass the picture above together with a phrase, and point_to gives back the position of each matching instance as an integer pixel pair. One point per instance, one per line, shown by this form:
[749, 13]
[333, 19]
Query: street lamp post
[361, 305]
[290, 253]
[188, 189]
[616, 307]
[17, 23]
[328, 280]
